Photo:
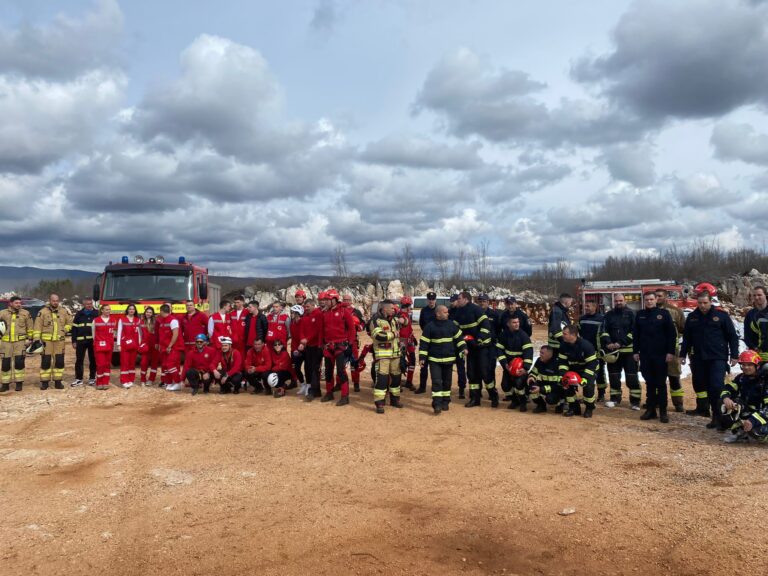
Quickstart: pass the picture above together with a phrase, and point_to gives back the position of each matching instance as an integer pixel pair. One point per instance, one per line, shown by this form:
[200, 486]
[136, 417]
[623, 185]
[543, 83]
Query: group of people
[241, 346]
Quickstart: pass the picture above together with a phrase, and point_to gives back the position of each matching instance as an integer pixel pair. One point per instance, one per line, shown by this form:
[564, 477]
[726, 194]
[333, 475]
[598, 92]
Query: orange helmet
[514, 366]
[406, 301]
[468, 338]
[570, 379]
[705, 287]
[750, 357]
[332, 294]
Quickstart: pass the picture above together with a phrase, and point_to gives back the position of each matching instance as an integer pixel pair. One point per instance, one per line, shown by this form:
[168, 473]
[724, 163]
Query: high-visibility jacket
[18, 325]
[474, 322]
[52, 324]
[441, 341]
[81, 325]
[756, 331]
[591, 328]
[385, 335]
[579, 357]
[558, 319]
[515, 344]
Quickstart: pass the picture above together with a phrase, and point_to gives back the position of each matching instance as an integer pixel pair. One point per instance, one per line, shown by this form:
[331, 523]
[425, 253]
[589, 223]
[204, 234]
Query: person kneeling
[258, 363]
[228, 368]
[198, 364]
[745, 402]
[544, 382]
[281, 369]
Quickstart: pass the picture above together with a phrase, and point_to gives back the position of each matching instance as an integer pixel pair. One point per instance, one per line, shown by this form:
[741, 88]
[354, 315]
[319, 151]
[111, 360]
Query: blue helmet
[203, 337]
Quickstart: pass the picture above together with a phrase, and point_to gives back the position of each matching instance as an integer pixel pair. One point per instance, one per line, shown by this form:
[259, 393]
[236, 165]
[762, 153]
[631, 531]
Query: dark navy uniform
[461, 362]
[474, 323]
[751, 394]
[82, 338]
[579, 357]
[654, 337]
[546, 375]
[591, 329]
[558, 319]
[440, 344]
[617, 328]
[426, 316]
[756, 331]
[511, 345]
[525, 322]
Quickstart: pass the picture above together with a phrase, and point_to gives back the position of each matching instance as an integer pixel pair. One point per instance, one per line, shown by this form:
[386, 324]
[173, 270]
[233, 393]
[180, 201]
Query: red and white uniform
[237, 326]
[170, 362]
[150, 357]
[277, 327]
[104, 330]
[192, 325]
[219, 325]
[129, 338]
[337, 335]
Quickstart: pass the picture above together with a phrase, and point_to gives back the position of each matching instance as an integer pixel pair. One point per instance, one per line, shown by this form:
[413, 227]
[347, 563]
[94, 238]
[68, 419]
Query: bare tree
[408, 267]
[458, 268]
[479, 264]
[442, 265]
[339, 263]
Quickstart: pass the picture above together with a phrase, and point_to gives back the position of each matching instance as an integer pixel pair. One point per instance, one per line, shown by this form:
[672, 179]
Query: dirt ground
[147, 482]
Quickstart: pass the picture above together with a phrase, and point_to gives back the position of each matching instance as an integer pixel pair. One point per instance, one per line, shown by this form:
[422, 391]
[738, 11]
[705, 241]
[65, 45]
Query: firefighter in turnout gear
[427, 315]
[756, 324]
[579, 356]
[476, 329]
[18, 332]
[385, 331]
[617, 339]
[441, 343]
[745, 402]
[591, 329]
[544, 382]
[52, 324]
[674, 370]
[559, 319]
[461, 361]
[513, 344]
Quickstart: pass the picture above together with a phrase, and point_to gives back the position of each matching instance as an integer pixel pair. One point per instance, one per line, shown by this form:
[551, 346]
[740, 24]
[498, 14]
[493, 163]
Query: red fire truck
[603, 292]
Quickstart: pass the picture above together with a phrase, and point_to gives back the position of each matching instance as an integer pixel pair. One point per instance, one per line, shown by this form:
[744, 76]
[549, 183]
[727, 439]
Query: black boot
[195, 388]
[58, 385]
[356, 387]
[515, 402]
[236, 389]
[541, 406]
[19, 386]
[225, 388]
[309, 397]
[461, 394]
[702, 408]
[523, 405]
[649, 414]
[663, 416]
[588, 409]
[5, 388]
[327, 398]
[446, 404]
[343, 401]
[574, 409]
[379, 406]
[474, 399]
[421, 390]
[493, 394]
[394, 401]
[559, 408]
[206, 387]
[437, 407]
[601, 395]
[677, 402]
[44, 385]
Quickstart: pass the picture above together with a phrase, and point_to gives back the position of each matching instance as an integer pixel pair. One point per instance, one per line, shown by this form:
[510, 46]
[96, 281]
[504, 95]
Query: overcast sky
[254, 137]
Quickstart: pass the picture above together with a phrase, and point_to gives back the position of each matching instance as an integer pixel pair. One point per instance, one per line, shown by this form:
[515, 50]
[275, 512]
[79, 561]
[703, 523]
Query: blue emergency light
[182, 260]
[124, 260]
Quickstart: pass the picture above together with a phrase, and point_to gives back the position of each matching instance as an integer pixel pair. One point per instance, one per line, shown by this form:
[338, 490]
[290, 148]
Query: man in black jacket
[559, 319]
[476, 329]
[709, 337]
[512, 310]
[256, 325]
[617, 338]
[577, 355]
[426, 316]
[82, 342]
[440, 344]
[591, 329]
[756, 323]
[654, 343]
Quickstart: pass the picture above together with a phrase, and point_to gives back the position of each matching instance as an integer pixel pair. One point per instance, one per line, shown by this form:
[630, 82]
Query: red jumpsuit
[192, 325]
[337, 337]
[408, 341]
[219, 325]
[277, 328]
[129, 338]
[170, 362]
[150, 357]
[103, 345]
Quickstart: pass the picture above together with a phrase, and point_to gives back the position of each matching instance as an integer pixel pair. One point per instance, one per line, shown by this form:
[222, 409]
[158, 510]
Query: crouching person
[228, 367]
[281, 369]
[745, 402]
[544, 382]
[258, 363]
[198, 364]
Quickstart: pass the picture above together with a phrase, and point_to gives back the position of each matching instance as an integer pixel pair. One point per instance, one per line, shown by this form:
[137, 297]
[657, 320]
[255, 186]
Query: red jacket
[231, 363]
[277, 327]
[406, 330]
[218, 326]
[261, 361]
[192, 325]
[237, 325]
[296, 333]
[339, 326]
[201, 360]
[129, 333]
[281, 362]
[104, 334]
[164, 328]
[312, 327]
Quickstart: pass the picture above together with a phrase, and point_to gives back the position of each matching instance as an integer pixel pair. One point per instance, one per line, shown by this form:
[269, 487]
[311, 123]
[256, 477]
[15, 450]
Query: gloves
[354, 363]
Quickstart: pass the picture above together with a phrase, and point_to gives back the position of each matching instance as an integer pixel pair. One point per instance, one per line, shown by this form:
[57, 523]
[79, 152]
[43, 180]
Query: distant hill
[13, 277]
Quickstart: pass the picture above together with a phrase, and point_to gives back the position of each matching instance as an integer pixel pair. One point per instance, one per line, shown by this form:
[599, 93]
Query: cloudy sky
[255, 139]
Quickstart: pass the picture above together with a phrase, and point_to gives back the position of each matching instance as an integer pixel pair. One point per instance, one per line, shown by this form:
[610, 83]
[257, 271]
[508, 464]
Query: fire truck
[153, 282]
[603, 292]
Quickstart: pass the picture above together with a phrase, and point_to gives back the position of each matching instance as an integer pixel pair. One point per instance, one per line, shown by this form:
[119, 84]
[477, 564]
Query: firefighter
[198, 364]
[673, 367]
[654, 347]
[578, 356]
[337, 336]
[440, 344]
[708, 338]
[258, 364]
[219, 324]
[150, 354]
[104, 328]
[426, 315]
[481, 359]
[745, 402]
[128, 342]
[194, 322]
[357, 316]
[280, 373]
[228, 367]
[512, 308]
[514, 343]
[494, 315]
[52, 324]
[461, 361]
[756, 324]
[591, 329]
[544, 382]
[237, 324]
[170, 345]
[385, 332]
[312, 326]
[616, 339]
[17, 335]
[82, 342]
[559, 319]
[407, 340]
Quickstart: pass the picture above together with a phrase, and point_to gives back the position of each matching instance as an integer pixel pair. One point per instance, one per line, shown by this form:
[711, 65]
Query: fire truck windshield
[135, 285]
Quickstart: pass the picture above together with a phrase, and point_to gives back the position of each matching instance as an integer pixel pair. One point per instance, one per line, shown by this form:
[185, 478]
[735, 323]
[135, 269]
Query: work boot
[446, 404]
[559, 408]
[601, 395]
[194, 390]
[44, 385]
[663, 416]
[206, 387]
[437, 407]
[474, 399]
[541, 406]
[5, 388]
[19, 386]
[58, 385]
[379, 406]
[588, 411]
[461, 394]
[337, 387]
[574, 409]
[356, 387]
[394, 401]
[343, 401]
[493, 394]
[507, 397]
[649, 414]
[236, 389]
[409, 386]
[421, 390]
[309, 397]
[515, 402]
[677, 402]
[524, 406]
[327, 398]
[714, 423]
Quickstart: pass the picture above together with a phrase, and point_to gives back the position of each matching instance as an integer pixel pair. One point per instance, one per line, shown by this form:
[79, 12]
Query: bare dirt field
[147, 482]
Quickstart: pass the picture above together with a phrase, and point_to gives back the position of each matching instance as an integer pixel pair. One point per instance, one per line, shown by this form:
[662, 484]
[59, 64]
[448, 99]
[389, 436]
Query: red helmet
[515, 366]
[570, 379]
[468, 338]
[705, 287]
[750, 357]
[332, 294]
[323, 295]
[406, 301]
[300, 293]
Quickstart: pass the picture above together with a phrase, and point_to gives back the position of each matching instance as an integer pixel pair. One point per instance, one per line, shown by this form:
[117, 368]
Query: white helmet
[225, 340]
[2, 328]
[298, 308]
[273, 380]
